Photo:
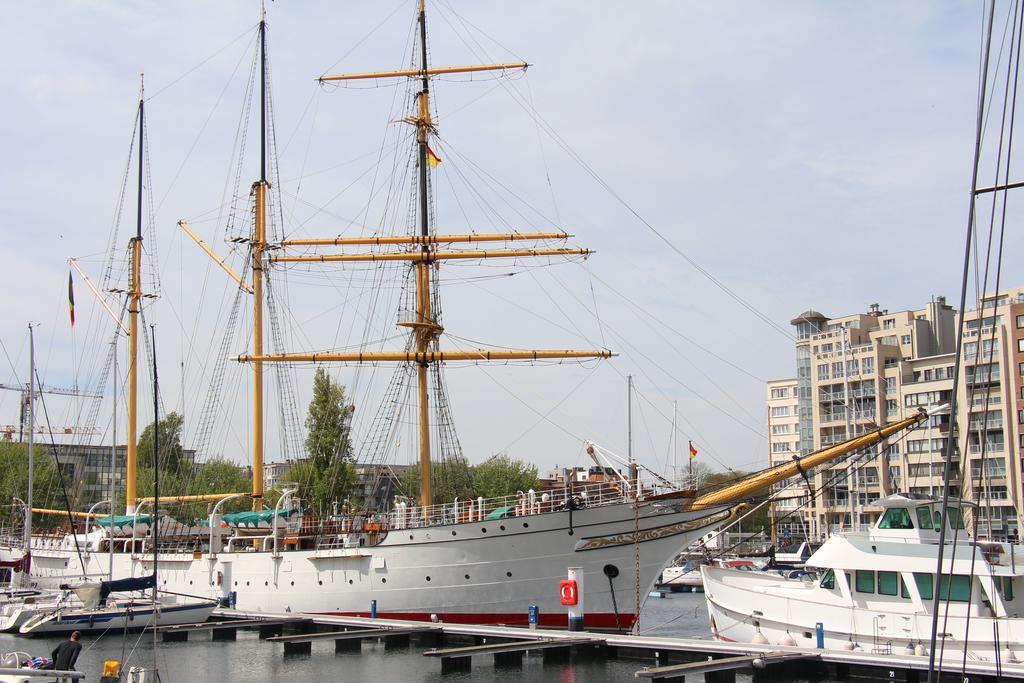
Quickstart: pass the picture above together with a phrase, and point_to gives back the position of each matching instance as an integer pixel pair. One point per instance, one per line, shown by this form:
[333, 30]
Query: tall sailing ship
[476, 561]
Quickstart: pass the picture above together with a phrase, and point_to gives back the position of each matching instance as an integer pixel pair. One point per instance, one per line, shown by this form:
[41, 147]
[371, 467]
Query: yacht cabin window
[829, 580]
[896, 518]
[865, 581]
[924, 517]
[887, 583]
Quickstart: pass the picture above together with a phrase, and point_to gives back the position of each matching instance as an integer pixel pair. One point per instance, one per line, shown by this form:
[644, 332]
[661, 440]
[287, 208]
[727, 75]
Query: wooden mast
[425, 328]
[259, 243]
[134, 305]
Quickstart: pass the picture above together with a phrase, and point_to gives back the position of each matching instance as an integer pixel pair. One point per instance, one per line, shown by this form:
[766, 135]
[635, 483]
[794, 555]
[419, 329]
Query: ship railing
[522, 504]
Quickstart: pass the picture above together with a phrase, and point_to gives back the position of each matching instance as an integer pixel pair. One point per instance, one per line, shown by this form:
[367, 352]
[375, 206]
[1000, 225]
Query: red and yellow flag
[71, 298]
[432, 159]
[693, 451]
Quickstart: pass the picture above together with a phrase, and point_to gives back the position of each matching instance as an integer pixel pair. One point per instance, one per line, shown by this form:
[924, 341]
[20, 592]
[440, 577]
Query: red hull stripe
[595, 620]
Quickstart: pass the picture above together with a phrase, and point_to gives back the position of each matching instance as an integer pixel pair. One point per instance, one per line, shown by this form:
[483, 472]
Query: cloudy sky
[805, 154]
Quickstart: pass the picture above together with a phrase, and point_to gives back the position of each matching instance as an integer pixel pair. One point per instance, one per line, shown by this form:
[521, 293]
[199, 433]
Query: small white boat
[131, 615]
[15, 611]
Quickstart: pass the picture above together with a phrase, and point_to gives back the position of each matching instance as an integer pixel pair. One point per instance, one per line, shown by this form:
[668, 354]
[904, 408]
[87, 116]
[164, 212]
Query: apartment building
[866, 369]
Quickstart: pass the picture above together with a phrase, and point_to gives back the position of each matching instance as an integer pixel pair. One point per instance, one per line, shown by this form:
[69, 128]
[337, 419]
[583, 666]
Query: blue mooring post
[532, 615]
[819, 634]
[373, 609]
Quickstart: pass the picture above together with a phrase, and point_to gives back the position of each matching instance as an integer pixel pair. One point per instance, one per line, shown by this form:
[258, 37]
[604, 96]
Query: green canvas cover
[254, 519]
[500, 513]
[120, 521]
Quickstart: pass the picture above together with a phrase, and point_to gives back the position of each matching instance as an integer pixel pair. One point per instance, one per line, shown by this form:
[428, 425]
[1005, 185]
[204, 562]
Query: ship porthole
[525, 525]
[350, 582]
[502, 527]
[320, 582]
[610, 570]
[453, 533]
[246, 583]
[383, 580]
[428, 578]
[483, 529]
[293, 583]
[266, 583]
[508, 574]
[410, 537]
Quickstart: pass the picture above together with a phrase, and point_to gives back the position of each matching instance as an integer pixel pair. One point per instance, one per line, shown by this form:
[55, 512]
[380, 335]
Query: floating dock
[657, 658]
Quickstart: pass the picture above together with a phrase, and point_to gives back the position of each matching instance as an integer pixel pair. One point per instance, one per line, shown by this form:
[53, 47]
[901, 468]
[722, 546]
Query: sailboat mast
[31, 420]
[424, 321]
[259, 243]
[134, 300]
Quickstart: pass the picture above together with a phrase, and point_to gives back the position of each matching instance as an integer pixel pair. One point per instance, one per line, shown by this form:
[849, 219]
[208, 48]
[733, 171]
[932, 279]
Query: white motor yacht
[876, 589]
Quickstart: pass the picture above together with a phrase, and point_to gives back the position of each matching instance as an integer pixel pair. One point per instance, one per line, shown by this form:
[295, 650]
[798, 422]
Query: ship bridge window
[956, 520]
[1005, 586]
[924, 517]
[896, 518]
[829, 580]
[865, 581]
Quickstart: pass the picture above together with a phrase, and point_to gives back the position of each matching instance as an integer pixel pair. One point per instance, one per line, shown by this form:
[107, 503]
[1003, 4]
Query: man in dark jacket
[66, 654]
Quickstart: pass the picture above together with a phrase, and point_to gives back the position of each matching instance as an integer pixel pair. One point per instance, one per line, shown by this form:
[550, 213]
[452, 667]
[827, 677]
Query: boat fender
[787, 640]
[220, 578]
[759, 638]
[1008, 656]
[848, 645]
[919, 650]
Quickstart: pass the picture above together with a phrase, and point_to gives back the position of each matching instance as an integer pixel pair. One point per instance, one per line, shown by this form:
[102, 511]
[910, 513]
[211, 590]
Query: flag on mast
[693, 451]
[71, 298]
[432, 159]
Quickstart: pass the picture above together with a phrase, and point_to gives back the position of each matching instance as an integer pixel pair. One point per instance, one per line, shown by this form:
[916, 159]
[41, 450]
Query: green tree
[328, 423]
[449, 480]
[46, 490]
[503, 476]
[172, 458]
[321, 487]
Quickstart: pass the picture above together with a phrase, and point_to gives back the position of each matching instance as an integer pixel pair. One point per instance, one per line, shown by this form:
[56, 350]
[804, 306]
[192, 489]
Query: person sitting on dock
[66, 654]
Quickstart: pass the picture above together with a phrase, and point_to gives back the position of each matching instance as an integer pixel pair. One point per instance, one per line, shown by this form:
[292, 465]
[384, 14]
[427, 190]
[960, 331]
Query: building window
[1020, 322]
[780, 447]
[780, 411]
[780, 429]
[823, 371]
[905, 339]
[891, 362]
[852, 367]
[889, 324]
[837, 370]
[780, 393]
[867, 365]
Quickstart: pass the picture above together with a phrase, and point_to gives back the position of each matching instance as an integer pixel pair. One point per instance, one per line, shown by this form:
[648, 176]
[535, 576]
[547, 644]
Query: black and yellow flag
[71, 298]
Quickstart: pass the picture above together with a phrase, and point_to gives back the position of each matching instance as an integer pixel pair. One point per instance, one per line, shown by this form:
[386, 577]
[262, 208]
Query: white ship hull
[477, 572]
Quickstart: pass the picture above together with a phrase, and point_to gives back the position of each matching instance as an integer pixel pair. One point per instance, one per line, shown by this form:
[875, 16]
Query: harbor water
[250, 660]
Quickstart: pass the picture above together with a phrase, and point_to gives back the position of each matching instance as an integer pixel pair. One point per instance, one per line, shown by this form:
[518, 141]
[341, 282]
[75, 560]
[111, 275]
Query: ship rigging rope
[542, 124]
[984, 483]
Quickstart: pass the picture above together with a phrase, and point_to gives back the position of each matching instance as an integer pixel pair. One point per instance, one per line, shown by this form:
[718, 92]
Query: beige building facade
[864, 370]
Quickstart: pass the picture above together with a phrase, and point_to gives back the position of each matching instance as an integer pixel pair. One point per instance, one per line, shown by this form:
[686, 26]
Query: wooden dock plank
[723, 664]
[513, 646]
[349, 635]
[230, 623]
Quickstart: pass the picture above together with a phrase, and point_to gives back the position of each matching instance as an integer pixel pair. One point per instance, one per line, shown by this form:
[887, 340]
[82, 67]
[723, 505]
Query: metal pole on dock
[576, 611]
